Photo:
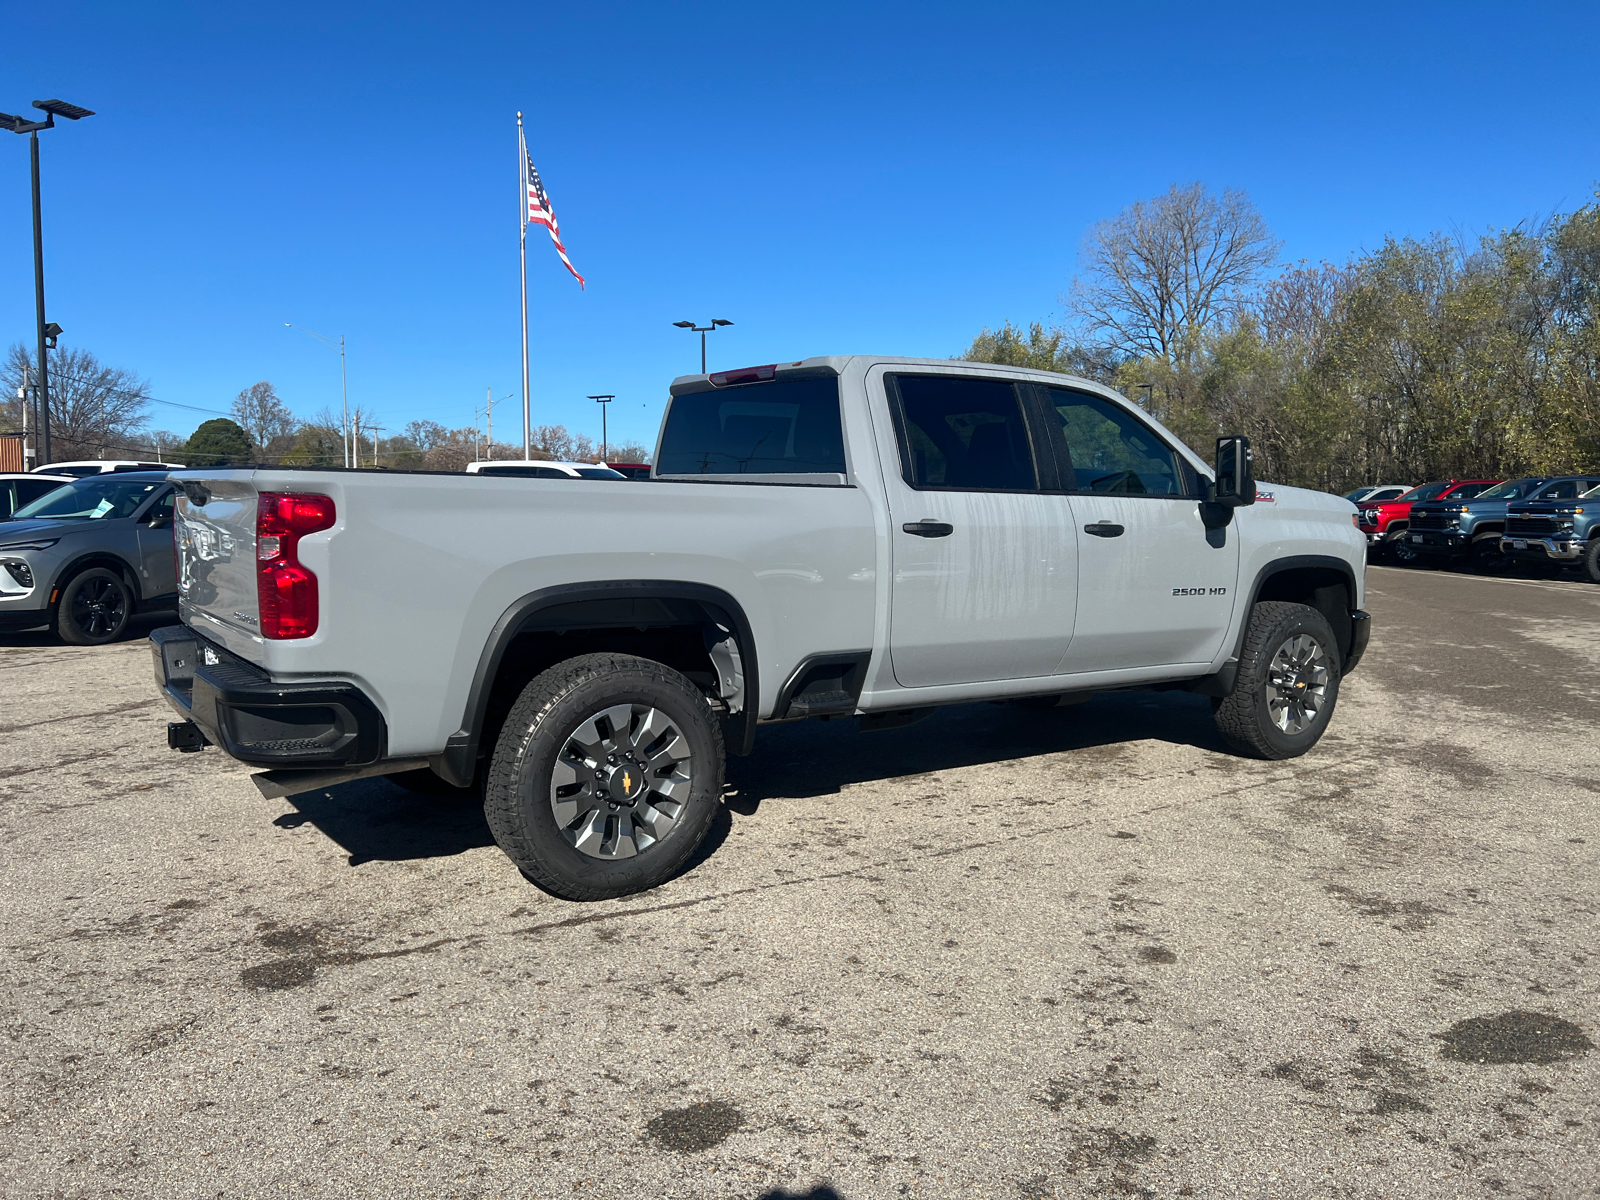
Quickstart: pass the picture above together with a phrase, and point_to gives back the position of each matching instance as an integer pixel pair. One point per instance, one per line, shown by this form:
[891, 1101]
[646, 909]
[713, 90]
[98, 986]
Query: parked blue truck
[1457, 530]
[1560, 529]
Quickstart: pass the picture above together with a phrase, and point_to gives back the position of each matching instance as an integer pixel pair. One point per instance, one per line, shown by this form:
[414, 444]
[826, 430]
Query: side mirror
[1235, 486]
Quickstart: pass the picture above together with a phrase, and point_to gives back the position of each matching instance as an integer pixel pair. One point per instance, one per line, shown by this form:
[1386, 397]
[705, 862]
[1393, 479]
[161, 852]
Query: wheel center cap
[626, 784]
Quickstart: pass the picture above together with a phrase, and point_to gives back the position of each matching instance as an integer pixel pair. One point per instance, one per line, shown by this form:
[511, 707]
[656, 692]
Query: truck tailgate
[216, 544]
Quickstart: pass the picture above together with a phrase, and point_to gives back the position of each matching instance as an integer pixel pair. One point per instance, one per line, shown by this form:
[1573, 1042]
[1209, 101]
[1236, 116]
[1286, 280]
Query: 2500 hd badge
[1217, 591]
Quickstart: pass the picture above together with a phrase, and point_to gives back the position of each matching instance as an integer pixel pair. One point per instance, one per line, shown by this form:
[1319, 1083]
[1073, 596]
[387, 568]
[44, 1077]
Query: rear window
[787, 427]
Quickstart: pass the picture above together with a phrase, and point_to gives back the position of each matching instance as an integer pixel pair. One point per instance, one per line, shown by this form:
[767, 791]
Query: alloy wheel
[1297, 683]
[621, 780]
[99, 608]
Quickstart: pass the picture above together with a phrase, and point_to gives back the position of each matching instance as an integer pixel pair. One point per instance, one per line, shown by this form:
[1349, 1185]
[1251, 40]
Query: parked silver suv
[87, 556]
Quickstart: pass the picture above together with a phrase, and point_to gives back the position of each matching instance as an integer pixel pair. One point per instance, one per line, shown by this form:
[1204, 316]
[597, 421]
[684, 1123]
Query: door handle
[1103, 529]
[929, 528]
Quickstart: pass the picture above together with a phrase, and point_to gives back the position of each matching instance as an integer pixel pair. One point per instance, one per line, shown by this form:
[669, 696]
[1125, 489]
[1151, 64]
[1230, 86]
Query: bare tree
[1163, 273]
[95, 410]
[262, 415]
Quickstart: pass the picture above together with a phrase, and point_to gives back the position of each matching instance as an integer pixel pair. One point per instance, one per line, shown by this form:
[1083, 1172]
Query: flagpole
[522, 174]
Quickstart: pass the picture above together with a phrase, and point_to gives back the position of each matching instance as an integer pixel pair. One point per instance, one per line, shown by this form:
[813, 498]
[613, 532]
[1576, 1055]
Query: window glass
[1428, 491]
[1561, 489]
[1511, 489]
[1467, 491]
[787, 427]
[599, 473]
[29, 490]
[99, 497]
[1113, 451]
[962, 433]
[525, 472]
[161, 510]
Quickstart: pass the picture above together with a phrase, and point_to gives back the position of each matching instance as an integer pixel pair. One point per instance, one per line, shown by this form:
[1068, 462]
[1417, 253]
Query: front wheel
[1486, 558]
[606, 776]
[1288, 683]
[1402, 551]
[94, 608]
[1589, 562]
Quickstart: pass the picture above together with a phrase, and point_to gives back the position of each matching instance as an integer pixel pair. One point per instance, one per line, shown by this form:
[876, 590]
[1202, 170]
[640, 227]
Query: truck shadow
[374, 820]
[818, 758]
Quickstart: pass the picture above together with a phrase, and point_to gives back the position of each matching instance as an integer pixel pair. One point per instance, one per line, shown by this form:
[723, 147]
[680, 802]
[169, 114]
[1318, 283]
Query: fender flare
[108, 559]
[1222, 682]
[458, 762]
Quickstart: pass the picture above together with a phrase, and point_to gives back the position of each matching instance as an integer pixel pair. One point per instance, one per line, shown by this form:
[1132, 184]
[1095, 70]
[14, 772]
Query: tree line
[1425, 358]
[97, 411]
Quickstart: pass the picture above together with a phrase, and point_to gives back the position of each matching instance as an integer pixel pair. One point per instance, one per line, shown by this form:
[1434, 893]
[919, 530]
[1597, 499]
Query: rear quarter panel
[418, 568]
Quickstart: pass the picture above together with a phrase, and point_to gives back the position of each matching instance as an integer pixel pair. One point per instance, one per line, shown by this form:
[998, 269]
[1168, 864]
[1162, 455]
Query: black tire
[1485, 558]
[1402, 551]
[1589, 561]
[94, 608]
[544, 726]
[1246, 719]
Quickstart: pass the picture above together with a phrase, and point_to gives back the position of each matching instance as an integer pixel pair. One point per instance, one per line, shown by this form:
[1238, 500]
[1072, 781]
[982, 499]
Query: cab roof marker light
[744, 375]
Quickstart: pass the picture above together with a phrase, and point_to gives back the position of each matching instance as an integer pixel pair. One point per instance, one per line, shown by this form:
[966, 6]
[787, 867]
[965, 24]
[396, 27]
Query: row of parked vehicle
[1487, 524]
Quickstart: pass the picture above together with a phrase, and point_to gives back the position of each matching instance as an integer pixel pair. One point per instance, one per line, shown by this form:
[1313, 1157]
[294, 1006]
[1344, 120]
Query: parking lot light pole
[51, 109]
[602, 401]
[702, 330]
[344, 386]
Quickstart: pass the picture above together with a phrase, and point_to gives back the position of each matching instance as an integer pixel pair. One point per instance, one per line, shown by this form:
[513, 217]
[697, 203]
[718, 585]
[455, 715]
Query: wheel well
[691, 628]
[109, 561]
[1325, 588]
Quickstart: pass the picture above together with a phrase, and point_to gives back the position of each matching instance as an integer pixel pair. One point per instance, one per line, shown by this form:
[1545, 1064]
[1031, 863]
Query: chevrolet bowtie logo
[627, 782]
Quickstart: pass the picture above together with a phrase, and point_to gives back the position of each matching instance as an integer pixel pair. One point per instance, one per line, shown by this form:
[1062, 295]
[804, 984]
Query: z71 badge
[1200, 591]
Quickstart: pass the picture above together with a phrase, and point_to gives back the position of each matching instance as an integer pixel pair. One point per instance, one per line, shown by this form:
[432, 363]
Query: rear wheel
[94, 608]
[606, 777]
[1288, 683]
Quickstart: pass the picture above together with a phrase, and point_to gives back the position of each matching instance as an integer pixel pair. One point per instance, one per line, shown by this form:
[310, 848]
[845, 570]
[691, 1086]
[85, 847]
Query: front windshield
[1511, 489]
[1359, 494]
[98, 497]
[1428, 491]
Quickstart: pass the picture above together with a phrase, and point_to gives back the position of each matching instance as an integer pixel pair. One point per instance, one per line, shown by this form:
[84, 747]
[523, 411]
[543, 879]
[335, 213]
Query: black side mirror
[1235, 486]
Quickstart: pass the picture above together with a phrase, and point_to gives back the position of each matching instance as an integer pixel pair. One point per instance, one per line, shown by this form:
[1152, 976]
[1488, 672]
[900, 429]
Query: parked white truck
[846, 536]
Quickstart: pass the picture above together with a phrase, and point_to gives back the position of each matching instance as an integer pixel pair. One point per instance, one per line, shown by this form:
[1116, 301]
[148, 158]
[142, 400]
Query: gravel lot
[999, 953]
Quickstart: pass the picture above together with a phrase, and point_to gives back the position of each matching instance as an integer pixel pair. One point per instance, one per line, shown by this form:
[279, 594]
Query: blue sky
[833, 178]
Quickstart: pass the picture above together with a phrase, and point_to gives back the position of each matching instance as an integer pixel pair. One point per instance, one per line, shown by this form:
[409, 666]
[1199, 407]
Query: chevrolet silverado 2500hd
[840, 536]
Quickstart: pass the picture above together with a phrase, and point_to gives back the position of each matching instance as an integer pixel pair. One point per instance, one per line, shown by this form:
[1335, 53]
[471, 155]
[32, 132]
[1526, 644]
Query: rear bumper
[259, 720]
[1560, 549]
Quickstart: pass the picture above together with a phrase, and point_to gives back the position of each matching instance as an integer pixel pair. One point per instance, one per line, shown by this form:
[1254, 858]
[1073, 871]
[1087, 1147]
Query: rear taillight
[286, 592]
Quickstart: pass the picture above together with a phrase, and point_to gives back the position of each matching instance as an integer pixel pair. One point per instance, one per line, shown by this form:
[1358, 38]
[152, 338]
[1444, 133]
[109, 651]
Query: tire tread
[525, 724]
[1237, 717]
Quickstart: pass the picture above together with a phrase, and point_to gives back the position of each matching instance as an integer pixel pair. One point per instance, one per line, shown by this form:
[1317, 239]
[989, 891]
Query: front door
[158, 560]
[1155, 587]
[984, 572]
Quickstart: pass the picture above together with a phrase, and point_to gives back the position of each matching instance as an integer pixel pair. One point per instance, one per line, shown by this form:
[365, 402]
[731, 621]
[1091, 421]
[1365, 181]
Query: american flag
[539, 211]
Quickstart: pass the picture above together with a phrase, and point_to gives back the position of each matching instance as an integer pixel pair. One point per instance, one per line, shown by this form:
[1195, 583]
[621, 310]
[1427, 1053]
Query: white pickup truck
[846, 536]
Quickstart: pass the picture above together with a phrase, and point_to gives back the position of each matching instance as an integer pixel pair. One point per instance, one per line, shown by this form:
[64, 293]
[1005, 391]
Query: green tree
[218, 443]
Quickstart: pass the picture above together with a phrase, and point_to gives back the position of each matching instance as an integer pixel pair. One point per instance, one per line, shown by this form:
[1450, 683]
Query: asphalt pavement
[1000, 953]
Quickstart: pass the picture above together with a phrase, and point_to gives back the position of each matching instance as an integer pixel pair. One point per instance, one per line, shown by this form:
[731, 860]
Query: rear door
[1155, 587]
[984, 570]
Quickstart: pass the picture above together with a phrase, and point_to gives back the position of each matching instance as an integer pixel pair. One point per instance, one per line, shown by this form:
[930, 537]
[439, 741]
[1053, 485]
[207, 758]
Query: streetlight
[602, 401]
[488, 411]
[702, 330]
[1147, 389]
[52, 109]
[344, 386]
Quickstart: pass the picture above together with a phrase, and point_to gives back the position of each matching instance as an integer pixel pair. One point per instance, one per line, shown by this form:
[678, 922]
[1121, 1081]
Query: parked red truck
[1385, 523]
